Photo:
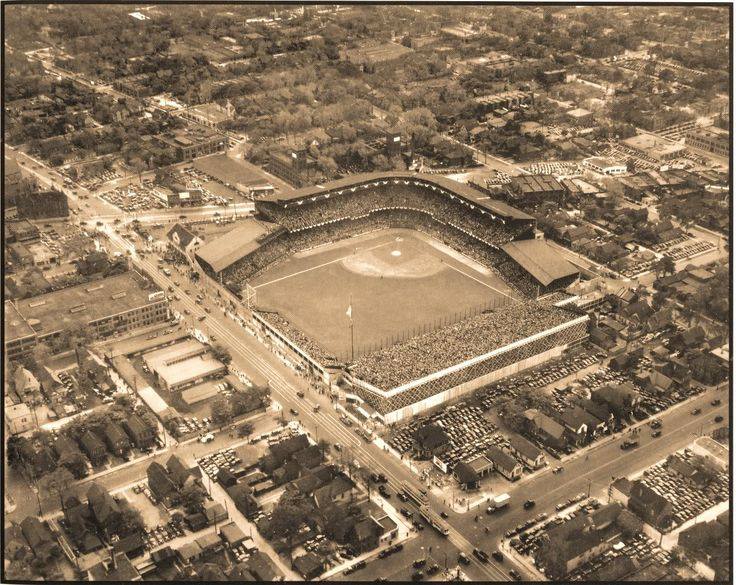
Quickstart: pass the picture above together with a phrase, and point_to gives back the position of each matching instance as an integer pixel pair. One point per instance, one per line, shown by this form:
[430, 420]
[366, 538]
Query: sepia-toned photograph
[388, 292]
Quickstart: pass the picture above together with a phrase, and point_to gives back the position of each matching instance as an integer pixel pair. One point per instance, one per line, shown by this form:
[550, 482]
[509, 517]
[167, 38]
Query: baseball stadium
[413, 289]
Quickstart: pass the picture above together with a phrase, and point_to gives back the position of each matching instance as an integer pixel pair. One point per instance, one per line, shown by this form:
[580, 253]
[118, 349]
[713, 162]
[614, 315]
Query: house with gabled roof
[650, 506]
[142, 435]
[93, 447]
[504, 463]
[338, 490]
[531, 455]
[466, 476]
[105, 509]
[429, 440]
[548, 430]
[39, 537]
[116, 439]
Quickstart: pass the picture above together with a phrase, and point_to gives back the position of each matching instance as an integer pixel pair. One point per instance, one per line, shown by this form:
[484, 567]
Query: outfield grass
[397, 288]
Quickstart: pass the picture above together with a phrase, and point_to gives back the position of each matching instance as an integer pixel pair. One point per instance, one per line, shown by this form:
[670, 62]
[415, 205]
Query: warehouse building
[184, 364]
[108, 307]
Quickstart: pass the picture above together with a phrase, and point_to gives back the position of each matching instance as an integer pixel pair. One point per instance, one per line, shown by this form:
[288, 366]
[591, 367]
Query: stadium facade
[491, 232]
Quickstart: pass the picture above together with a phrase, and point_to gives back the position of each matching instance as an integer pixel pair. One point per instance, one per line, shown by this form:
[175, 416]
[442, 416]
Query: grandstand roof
[461, 189]
[235, 244]
[539, 259]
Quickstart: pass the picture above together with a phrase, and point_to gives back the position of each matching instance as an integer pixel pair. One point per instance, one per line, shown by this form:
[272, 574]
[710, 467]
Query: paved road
[249, 354]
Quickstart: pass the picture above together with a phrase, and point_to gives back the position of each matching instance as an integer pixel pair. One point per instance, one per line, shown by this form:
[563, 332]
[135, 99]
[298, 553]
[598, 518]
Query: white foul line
[480, 281]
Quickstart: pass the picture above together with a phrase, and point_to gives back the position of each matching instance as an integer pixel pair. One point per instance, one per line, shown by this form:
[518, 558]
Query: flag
[349, 312]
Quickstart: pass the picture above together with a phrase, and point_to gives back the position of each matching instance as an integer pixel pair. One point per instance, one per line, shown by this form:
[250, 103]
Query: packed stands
[425, 354]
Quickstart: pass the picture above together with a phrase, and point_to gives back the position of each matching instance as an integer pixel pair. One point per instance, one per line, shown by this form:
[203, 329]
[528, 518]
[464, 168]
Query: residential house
[659, 320]
[161, 484]
[466, 476]
[19, 418]
[338, 490]
[180, 474]
[189, 551]
[637, 313]
[39, 537]
[676, 368]
[504, 463]
[214, 512]
[93, 447]
[651, 507]
[131, 546]
[574, 420]
[531, 455]
[81, 524]
[310, 566]
[600, 412]
[116, 439]
[548, 430]
[142, 435]
[232, 535]
[37, 455]
[365, 535]
[119, 568]
[262, 567]
[429, 440]
[660, 382]
[691, 338]
[27, 386]
[620, 490]
[622, 399]
[573, 543]
[105, 509]
[210, 543]
[242, 496]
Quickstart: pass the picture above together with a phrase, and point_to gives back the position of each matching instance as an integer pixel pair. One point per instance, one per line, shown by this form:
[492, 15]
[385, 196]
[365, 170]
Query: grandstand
[411, 375]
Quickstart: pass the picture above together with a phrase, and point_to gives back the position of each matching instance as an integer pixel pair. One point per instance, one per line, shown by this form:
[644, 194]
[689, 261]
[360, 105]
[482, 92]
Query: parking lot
[688, 499]
[527, 538]
[469, 432]
[538, 378]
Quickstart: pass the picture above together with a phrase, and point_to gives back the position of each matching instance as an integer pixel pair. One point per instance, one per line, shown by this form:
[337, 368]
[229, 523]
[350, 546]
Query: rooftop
[461, 189]
[540, 260]
[235, 244]
[80, 305]
[182, 361]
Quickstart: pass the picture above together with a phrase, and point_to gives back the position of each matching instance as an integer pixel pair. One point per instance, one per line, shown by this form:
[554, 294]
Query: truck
[498, 503]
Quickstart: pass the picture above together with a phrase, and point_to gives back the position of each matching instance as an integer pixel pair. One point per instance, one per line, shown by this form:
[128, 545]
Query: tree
[130, 522]
[75, 462]
[221, 353]
[629, 523]
[57, 482]
[221, 411]
[665, 265]
[291, 511]
[192, 498]
[324, 447]
[245, 429]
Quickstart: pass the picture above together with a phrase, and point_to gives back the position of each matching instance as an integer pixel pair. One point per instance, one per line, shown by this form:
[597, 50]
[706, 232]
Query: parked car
[529, 504]
[696, 411]
[716, 402]
[626, 445]
[559, 469]
[718, 419]
[498, 555]
[514, 575]
[463, 558]
[656, 434]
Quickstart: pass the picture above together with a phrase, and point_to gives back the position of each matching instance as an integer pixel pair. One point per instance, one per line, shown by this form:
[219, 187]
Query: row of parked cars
[224, 459]
[162, 534]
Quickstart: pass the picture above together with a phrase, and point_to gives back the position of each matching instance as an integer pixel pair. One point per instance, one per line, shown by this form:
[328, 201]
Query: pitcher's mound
[403, 262]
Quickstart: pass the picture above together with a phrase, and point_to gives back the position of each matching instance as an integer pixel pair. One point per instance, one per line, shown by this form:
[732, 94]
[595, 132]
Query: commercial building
[604, 165]
[191, 143]
[507, 100]
[295, 167]
[212, 115]
[109, 307]
[580, 117]
[654, 147]
[368, 56]
[178, 195]
[712, 139]
[183, 364]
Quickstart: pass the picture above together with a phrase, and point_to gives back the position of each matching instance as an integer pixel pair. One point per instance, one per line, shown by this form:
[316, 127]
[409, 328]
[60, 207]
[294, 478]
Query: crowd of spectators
[422, 355]
[305, 343]
[352, 204]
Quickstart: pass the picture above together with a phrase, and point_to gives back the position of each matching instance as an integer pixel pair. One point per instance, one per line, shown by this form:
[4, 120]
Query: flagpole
[352, 334]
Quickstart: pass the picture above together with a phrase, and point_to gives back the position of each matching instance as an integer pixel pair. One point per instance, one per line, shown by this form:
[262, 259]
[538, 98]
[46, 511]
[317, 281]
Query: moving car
[626, 445]
[716, 402]
[463, 558]
[294, 412]
[656, 434]
[558, 470]
[696, 411]
[529, 504]
[718, 419]
[498, 555]
[514, 575]
[480, 555]
[207, 438]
